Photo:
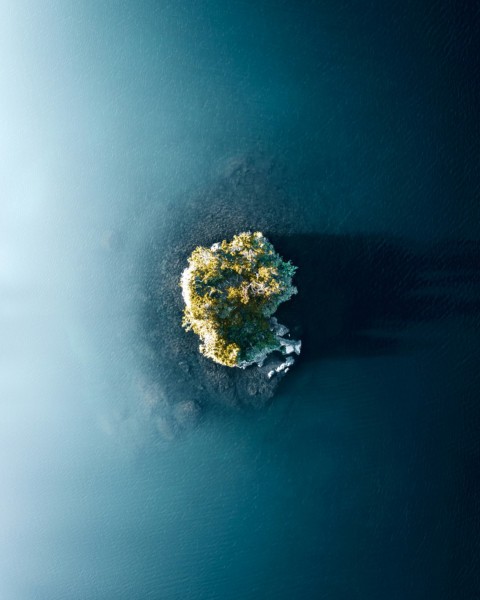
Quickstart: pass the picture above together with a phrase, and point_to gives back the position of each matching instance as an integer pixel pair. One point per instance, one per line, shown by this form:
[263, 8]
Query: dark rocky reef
[247, 196]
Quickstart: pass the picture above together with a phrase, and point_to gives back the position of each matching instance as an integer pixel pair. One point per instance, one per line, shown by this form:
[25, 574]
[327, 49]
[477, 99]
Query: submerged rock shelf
[246, 198]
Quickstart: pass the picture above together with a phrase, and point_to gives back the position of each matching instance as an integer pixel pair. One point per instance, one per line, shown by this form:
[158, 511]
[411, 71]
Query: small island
[231, 292]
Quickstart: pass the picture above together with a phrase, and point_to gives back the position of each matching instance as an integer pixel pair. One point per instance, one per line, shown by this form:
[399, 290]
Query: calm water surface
[358, 481]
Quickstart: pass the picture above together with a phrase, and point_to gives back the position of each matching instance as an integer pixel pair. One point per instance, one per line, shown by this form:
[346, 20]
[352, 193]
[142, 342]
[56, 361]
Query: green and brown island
[231, 292]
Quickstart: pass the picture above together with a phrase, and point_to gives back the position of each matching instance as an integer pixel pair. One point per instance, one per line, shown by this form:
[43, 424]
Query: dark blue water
[359, 480]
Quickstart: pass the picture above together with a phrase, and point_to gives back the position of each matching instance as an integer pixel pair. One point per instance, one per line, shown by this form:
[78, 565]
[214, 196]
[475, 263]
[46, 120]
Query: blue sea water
[359, 480]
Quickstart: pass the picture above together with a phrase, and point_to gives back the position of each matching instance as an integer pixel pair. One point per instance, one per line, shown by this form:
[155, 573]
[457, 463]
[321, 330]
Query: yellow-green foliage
[231, 290]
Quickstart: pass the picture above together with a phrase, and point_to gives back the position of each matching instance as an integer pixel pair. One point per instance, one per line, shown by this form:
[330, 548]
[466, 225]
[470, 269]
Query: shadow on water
[359, 293]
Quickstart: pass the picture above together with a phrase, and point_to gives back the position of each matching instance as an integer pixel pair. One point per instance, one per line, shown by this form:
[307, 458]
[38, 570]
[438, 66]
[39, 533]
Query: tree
[231, 291]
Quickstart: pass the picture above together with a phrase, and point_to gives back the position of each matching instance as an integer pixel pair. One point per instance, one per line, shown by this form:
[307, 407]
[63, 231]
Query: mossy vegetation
[231, 290]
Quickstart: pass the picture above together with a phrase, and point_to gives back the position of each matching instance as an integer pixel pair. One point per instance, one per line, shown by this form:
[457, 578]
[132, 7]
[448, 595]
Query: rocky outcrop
[231, 290]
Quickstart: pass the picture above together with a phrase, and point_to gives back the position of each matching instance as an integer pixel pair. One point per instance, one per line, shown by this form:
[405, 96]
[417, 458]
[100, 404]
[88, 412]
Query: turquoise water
[358, 480]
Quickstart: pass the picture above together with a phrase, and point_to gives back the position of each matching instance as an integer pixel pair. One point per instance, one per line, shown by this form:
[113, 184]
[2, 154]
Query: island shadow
[358, 294]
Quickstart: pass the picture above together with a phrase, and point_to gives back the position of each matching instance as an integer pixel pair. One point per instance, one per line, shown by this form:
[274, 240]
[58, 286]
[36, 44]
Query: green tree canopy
[231, 290]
